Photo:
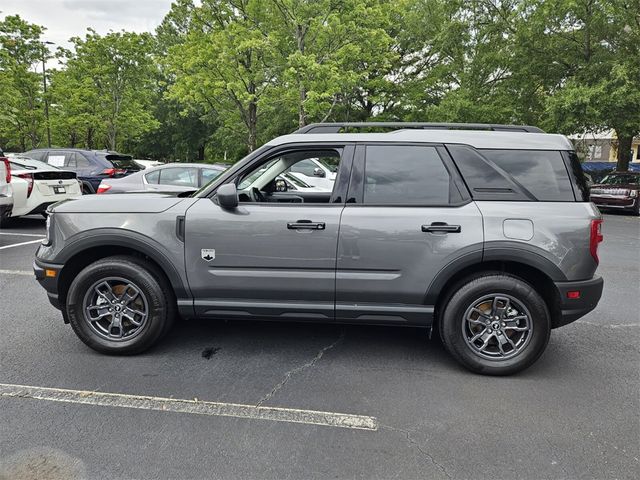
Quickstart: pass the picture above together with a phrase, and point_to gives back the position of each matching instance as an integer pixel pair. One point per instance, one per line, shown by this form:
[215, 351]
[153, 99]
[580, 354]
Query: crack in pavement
[407, 434]
[299, 369]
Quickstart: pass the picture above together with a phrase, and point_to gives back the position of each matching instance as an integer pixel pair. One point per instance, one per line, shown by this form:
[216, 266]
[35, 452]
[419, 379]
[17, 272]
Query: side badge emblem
[208, 254]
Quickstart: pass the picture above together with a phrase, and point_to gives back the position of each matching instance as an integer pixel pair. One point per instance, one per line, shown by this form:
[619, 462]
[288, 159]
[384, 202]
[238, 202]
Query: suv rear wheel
[495, 324]
[120, 305]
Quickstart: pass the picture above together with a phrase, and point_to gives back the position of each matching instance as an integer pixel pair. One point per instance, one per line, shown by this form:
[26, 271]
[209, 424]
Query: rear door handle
[441, 227]
[306, 225]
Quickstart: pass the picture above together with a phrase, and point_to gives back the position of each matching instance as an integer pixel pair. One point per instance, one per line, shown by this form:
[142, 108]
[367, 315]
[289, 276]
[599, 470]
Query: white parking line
[197, 407]
[16, 272]
[20, 244]
[22, 234]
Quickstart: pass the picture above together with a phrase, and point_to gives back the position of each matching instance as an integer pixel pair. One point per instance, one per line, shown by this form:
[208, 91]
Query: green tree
[107, 88]
[225, 65]
[21, 51]
[586, 54]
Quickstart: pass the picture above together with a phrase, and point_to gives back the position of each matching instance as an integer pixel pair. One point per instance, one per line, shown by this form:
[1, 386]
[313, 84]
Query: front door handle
[306, 225]
[441, 227]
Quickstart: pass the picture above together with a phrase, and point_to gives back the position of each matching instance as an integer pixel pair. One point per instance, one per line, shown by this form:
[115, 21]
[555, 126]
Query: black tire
[460, 324]
[5, 219]
[155, 296]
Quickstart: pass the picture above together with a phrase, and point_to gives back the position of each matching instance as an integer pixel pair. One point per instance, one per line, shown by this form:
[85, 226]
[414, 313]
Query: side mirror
[318, 172]
[281, 185]
[227, 196]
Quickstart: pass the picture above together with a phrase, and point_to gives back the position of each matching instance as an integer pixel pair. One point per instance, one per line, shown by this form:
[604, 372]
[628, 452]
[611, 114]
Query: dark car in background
[91, 166]
[619, 191]
[169, 178]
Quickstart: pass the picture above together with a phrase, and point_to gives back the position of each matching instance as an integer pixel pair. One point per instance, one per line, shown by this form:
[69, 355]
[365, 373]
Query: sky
[69, 18]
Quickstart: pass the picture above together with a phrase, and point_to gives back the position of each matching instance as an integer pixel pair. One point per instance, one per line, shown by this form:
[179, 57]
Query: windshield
[621, 179]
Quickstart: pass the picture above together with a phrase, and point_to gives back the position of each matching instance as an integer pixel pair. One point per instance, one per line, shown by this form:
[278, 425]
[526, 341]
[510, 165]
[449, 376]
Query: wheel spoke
[477, 336]
[115, 327]
[496, 309]
[480, 312]
[516, 329]
[485, 342]
[131, 315]
[99, 317]
[108, 295]
[127, 297]
[513, 345]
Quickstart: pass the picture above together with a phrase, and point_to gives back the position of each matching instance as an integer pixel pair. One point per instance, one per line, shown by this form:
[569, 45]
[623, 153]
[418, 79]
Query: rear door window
[405, 175]
[541, 172]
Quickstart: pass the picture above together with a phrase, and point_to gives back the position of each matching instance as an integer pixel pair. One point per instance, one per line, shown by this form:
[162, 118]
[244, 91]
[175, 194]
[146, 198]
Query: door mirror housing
[227, 196]
[281, 185]
[318, 172]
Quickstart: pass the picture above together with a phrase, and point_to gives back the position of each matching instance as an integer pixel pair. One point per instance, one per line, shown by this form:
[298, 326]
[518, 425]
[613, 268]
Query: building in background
[602, 147]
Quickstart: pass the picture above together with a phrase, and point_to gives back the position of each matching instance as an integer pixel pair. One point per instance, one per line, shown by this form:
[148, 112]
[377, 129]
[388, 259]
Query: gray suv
[483, 233]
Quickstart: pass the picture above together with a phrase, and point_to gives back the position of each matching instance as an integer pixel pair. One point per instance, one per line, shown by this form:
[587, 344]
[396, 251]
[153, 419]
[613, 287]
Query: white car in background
[36, 185]
[6, 191]
[318, 172]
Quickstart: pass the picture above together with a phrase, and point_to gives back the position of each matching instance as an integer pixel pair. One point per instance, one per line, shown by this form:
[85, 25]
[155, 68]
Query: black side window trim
[355, 196]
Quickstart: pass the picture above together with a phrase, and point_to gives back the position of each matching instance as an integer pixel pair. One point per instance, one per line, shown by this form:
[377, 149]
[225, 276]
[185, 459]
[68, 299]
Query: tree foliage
[220, 77]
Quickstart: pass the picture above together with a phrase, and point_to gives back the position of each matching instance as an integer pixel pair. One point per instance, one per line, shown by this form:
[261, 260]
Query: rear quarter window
[541, 172]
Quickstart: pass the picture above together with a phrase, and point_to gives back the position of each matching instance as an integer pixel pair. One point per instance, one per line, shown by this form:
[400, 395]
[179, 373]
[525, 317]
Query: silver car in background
[168, 178]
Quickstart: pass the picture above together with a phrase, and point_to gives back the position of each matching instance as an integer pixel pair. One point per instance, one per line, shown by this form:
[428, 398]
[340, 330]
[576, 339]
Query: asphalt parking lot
[574, 414]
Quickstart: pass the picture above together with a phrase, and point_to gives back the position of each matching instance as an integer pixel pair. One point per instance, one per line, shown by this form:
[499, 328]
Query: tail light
[103, 187]
[595, 238]
[29, 178]
[7, 167]
[113, 171]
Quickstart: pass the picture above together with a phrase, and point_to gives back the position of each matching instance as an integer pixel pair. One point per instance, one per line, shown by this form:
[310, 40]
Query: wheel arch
[450, 279]
[84, 251]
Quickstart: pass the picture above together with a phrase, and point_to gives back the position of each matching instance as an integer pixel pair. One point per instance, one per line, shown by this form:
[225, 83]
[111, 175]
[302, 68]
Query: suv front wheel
[120, 305]
[495, 324]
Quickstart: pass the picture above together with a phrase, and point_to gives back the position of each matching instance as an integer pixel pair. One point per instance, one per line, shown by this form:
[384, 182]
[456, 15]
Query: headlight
[633, 193]
[48, 235]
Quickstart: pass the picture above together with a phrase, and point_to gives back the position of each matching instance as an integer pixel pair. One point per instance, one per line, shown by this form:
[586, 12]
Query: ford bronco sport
[484, 233]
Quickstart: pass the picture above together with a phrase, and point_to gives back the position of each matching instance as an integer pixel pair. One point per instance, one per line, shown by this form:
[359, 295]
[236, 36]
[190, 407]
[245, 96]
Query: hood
[118, 203]
[621, 186]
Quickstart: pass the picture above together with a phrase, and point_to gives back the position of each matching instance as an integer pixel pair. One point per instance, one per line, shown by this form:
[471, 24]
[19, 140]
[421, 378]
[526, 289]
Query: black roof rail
[336, 127]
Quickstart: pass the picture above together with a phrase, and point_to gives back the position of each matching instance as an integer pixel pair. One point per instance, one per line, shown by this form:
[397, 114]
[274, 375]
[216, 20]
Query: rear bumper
[41, 208]
[620, 203]
[571, 309]
[50, 284]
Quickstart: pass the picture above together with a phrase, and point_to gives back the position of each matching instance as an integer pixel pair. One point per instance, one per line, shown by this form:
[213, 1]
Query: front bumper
[50, 284]
[571, 309]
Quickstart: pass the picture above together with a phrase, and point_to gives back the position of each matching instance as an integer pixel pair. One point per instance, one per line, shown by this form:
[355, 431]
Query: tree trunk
[252, 121]
[624, 152]
[301, 32]
[302, 115]
[201, 153]
[90, 138]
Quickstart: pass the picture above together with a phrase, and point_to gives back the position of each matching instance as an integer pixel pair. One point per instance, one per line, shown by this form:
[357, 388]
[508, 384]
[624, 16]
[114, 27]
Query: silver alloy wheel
[497, 326]
[115, 309]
